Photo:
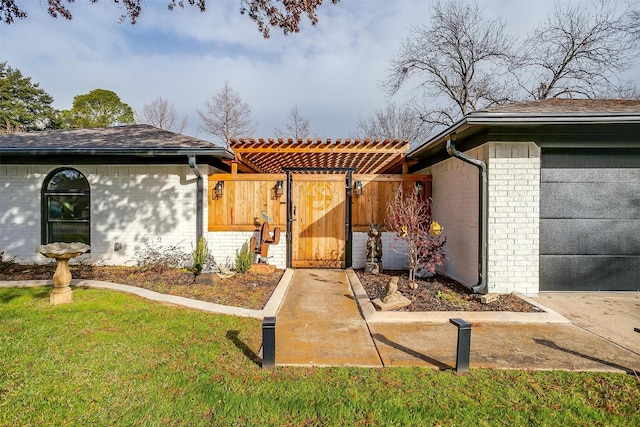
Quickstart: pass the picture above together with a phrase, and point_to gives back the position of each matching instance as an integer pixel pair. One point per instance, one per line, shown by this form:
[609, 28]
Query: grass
[118, 360]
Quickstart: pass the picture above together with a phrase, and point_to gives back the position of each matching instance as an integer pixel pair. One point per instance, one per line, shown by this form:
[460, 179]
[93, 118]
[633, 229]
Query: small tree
[297, 128]
[97, 109]
[161, 114]
[409, 217]
[227, 116]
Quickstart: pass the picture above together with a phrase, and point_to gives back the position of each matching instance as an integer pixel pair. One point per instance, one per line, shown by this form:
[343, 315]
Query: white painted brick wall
[455, 207]
[128, 204]
[224, 244]
[514, 212]
[393, 251]
[513, 218]
[20, 187]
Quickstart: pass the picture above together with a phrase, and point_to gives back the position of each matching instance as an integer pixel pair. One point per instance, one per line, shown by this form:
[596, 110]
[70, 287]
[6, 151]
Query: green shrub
[244, 259]
[200, 256]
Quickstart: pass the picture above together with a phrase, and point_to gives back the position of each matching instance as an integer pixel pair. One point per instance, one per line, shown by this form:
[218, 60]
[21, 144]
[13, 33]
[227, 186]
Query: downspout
[199, 191]
[482, 214]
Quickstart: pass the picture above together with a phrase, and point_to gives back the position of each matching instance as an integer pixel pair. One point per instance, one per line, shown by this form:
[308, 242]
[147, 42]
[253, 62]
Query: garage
[590, 219]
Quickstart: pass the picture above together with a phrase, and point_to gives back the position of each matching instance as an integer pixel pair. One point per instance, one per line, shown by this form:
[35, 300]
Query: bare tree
[455, 60]
[161, 114]
[283, 14]
[298, 126]
[226, 116]
[392, 122]
[578, 52]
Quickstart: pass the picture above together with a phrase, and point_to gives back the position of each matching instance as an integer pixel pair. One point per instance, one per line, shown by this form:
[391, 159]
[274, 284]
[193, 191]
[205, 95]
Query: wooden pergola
[319, 191]
[363, 155]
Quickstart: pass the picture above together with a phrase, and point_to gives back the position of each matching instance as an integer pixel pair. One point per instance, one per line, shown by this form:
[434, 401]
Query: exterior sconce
[420, 189]
[279, 189]
[219, 189]
[357, 188]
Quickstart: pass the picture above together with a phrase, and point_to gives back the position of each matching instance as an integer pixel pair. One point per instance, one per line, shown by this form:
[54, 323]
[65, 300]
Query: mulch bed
[439, 294]
[249, 290]
[252, 290]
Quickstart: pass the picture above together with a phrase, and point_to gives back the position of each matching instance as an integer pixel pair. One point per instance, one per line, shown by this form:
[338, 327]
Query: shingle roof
[365, 156]
[568, 106]
[536, 114]
[120, 139]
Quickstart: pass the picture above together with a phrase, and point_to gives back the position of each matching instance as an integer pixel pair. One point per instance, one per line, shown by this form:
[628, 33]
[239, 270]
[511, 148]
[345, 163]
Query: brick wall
[129, 203]
[224, 244]
[393, 248]
[455, 207]
[514, 217]
[20, 187]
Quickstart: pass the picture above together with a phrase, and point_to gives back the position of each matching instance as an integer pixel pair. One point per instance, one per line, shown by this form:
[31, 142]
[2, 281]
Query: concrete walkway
[319, 323]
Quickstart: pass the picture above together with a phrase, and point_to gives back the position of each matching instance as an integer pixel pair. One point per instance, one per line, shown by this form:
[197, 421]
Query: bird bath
[62, 253]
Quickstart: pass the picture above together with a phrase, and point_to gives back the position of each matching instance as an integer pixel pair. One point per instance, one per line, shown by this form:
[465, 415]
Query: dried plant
[409, 217]
[155, 256]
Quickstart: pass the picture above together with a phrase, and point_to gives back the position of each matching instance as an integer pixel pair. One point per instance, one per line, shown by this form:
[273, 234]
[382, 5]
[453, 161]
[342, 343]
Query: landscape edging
[371, 315]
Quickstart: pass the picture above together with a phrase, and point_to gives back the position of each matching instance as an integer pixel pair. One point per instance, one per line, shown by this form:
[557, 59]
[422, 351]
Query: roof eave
[221, 153]
[487, 119]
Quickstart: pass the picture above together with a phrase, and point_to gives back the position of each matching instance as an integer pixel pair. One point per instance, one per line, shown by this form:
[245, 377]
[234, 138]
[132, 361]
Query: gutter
[481, 286]
[199, 192]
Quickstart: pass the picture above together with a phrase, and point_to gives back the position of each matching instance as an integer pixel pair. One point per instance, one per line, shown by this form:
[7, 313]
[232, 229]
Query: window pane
[69, 232]
[71, 207]
[68, 179]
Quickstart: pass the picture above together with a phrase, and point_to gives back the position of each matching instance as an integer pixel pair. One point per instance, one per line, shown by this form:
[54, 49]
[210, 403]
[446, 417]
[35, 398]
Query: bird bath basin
[62, 253]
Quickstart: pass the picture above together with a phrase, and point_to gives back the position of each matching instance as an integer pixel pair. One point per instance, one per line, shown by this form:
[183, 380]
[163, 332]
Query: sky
[332, 72]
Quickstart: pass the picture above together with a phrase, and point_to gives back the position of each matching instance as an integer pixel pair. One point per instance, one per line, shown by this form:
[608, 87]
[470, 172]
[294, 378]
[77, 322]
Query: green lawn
[114, 359]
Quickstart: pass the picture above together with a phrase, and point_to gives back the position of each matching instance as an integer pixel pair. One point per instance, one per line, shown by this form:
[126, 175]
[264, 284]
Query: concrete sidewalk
[321, 324]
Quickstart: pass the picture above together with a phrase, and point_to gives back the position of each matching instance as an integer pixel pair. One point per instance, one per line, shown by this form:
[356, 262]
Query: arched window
[66, 207]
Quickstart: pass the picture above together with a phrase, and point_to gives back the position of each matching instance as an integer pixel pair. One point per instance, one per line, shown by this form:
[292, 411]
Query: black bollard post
[464, 344]
[268, 342]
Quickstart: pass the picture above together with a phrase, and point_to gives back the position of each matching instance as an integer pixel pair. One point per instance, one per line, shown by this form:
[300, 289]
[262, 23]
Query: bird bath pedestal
[62, 253]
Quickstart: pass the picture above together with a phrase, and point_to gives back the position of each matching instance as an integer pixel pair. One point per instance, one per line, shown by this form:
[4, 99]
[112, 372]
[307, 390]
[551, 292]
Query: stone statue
[391, 292]
[374, 243]
[373, 261]
[393, 299]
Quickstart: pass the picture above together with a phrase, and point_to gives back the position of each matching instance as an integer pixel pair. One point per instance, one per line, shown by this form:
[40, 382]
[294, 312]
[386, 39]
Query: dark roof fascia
[62, 159]
[153, 152]
[483, 121]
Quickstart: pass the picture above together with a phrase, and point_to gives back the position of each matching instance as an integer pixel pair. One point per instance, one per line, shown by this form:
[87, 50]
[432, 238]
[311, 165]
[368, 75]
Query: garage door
[590, 220]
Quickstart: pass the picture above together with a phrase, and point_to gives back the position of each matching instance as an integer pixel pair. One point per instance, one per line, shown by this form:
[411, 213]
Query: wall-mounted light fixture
[279, 189]
[420, 189]
[357, 188]
[219, 189]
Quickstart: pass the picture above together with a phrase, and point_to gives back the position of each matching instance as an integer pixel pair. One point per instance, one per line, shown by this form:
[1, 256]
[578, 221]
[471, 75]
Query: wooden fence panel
[246, 198]
[377, 192]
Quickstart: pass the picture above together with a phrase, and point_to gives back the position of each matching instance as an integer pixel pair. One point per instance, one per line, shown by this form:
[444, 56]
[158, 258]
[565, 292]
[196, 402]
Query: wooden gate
[318, 220]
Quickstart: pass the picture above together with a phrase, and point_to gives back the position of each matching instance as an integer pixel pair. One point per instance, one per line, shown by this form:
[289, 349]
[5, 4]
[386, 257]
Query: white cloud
[331, 72]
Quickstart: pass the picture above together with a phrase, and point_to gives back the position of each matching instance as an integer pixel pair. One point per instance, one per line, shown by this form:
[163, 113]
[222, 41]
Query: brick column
[514, 217]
